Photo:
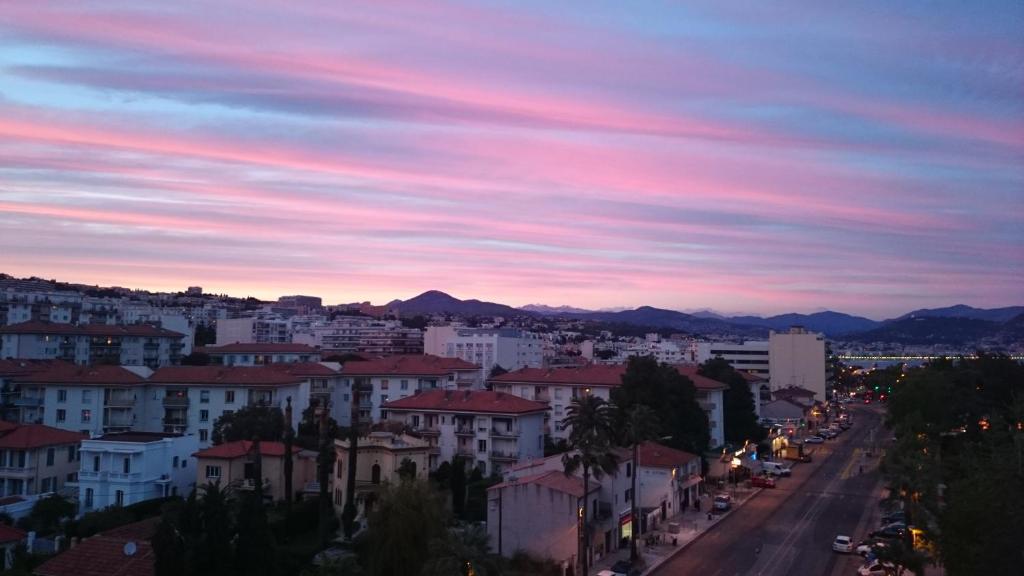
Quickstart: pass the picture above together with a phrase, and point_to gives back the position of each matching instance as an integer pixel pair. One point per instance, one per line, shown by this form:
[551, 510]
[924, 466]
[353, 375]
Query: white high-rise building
[797, 359]
[487, 347]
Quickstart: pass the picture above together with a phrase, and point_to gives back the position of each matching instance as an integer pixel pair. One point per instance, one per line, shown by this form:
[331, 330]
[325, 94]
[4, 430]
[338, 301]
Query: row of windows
[204, 395]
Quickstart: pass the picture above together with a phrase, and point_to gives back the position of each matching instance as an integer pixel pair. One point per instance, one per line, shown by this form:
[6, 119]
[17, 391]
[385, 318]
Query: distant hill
[965, 311]
[437, 302]
[931, 330]
[832, 324]
[661, 318]
[545, 310]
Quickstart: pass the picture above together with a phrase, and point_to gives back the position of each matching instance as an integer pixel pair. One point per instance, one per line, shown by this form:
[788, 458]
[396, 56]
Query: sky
[743, 156]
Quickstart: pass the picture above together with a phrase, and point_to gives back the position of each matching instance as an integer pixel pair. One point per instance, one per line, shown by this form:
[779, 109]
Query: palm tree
[641, 424]
[590, 443]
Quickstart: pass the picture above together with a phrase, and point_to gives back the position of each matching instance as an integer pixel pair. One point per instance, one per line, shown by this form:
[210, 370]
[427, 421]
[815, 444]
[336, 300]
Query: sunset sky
[758, 157]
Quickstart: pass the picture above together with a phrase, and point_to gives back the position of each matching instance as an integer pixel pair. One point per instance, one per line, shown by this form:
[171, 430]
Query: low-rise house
[796, 394]
[538, 514]
[10, 539]
[233, 465]
[123, 468]
[260, 353]
[669, 481]
[783, 411]
[381, 455]
[123, 551]
[381, 380]
[37, 459]
[125, 344]
[489, 430]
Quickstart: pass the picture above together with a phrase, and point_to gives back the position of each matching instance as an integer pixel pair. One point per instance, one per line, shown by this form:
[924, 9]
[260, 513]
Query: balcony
[27, 402]
[176, 401]
[465, 431]
[250, 484]
[423, 431]
[124, 476]
[504, 433]
[121, 401]
[544, 396]
[506, 456]
[118, 422]
[92, 475]
[465, 452]
[175, 421]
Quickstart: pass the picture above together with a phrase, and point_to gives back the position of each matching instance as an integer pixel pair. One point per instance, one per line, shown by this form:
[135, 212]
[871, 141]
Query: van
[776, 468]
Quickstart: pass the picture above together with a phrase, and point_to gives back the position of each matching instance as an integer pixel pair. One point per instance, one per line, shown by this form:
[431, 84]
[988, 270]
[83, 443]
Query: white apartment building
[488, 430]
[37, 459]
[381, 380]
[251, 330]
[91, 400]
[751, 356]
[121, 469]
[361, 335]
[257, 354]
[797, 359]
[487, 347]
[128, 345]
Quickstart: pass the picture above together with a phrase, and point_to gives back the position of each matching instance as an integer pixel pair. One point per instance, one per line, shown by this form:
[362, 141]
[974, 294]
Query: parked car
[870, 546]
[814, 440]
[842, 544]
[762, 482]
[722, 502]
[876, 568]
[897, 516]
[776, 468]
[890, 532]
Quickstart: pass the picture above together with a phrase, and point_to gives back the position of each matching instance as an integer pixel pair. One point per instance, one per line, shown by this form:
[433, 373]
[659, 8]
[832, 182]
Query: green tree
[460, 550]
[738, 408]
[263, 422]
[407, 518]
[641, 424]
[47, 513]
[457, 484]
[255, 552]
[196, 359]
[590, 439]
[407, 469]
[672, 396]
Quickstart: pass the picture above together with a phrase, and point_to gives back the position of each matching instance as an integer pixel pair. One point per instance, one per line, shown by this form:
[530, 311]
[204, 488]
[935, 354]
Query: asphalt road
[789, 529]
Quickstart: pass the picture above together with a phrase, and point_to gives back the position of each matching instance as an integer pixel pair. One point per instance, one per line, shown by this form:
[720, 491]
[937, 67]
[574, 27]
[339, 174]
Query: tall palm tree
[591, 450]
[641, 424]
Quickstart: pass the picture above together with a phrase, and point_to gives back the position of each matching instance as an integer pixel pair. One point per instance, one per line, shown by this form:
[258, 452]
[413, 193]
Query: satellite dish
[130, 548]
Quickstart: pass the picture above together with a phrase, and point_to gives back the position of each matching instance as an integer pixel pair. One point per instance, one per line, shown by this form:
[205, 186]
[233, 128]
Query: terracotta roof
[792, 391]
[590, 375]
[104, 554]
[21, 366]
[467, 401]
[6, 426]
[654, 455]
[555, 480]
[407, 365]
[594, 375]
[11, 534]
[258, 348]
[28, 436]
[751, 377]
[36, 327]
[232, 450]
[224, 376]
[136, 437]
[304, 368]
[65, 373]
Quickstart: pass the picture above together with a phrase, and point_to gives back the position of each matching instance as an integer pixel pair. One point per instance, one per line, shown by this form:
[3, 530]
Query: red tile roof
[29, 436]
[594, 375]
[35, 327]
[258, 348]
[224, 376]
[71, 374]
[654, 455]
[751, 377]
[136, 437]
[7, 426]
[407, 365]
[555, 480]
[304, 368]
[11, 534]
[232, 450]
[21, 367]
[792, 391]
[104, 554]
[466, 401]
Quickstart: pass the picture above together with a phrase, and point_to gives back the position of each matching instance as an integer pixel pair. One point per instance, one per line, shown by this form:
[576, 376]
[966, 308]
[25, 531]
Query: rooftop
[29, 436]
[36, 327]
[555, 480]
[226, 375]
[595, 375]
[467, 401]
[105, 554]
[232, 450]
[64, 373]
[258, 348]
[654, 455]
[407, 365]
[136, 437]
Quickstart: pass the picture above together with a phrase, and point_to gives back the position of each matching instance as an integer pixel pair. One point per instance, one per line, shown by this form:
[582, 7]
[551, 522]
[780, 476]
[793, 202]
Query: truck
[795, 452]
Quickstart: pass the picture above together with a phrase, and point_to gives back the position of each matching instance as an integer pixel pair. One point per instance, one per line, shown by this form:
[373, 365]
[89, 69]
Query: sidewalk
[692, 525]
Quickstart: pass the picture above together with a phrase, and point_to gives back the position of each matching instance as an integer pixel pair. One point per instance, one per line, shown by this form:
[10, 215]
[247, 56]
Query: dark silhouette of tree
[407, 518]
[196, 359]
[457, 484]
[498, 371]
[263, 422]
[737, 402]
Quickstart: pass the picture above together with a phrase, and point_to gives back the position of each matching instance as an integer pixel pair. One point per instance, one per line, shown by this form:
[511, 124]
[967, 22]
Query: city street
[789, 529]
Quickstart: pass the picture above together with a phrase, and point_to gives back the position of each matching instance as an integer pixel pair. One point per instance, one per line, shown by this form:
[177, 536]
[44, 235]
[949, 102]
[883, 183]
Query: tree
[641, 425]
[406, 519]
[460, 550]
[47, 514]
[196, 359]
[737, 402]
[205, 335]
[457, 484]
[590, 440]
[498, 371]
[308, 435]
[407, 469]
[263, 422]
[254, 550]
[672, 396]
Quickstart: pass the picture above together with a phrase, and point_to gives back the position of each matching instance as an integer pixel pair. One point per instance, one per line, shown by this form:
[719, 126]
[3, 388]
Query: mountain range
[960, 323]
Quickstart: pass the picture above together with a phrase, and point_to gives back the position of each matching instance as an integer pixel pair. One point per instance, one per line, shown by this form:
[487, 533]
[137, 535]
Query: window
[383, 399]
[384, 384]
[88, 497]
[229, 396]
[127, 465]
[44, 486]
[70, 477]
[337, 472]
[119, 498]
[204, 396]
[481, 445]
[226, 412]
[86, 416]
[405, 384]
[204, 435]
[71, 453]
[415, 420]
[175, 465]
[204, 415]
[629, 495]
[213, 471]
[345, 398]
[629, 469]
[558, 393]
[375, 474]
[95, 463]
[51, 453]
[62, 395]
[184, 462]
[86, 396]
[62, 415]
[21, 459]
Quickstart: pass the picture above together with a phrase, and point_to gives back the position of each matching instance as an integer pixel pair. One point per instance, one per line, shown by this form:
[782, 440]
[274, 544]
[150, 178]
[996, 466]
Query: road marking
[849, 465]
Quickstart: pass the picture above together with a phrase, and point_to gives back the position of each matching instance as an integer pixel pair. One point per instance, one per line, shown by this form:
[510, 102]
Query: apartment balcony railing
[466, 451]
[92, 475]
[124, 476]
[175, 421]
[27, 402]
[154, 346]
[432, 431]
[250, 484]
[118, 422]
[503, 455]
[542, 397]
[465, 431]
[505, 433]
[176, 401]
[120, 402]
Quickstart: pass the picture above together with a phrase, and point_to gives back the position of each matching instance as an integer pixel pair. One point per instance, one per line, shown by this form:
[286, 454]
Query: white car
[814, 440]
[869, 546]
[876, 568]
[842, 544]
